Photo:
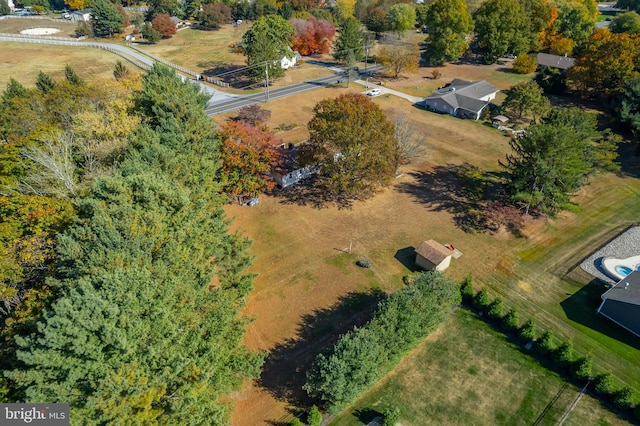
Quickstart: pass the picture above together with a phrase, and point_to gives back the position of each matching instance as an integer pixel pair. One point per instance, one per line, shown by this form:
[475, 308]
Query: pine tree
[145, 328]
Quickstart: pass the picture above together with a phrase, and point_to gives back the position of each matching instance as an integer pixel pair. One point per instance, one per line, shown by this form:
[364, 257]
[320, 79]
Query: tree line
[363, 355]
[138, 319]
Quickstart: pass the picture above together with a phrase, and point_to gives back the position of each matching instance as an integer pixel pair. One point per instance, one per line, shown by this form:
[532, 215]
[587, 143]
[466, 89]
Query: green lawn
[543, 280]
[469, 374]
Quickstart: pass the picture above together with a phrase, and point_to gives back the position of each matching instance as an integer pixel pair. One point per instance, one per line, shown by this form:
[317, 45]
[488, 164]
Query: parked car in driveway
[373, 92]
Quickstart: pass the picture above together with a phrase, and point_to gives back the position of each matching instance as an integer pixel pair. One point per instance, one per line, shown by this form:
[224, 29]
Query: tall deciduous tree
[626, 23]
[312, 35]
[400, 18]
[502, 27]
[448, 24]
[376, 21]
[607, 62]
[553, 160]
[349, 45]
[527, 99]
[267, 41]
[352, 144]
[105, 19]
[248, 155]
[400, 58]
[214, 15]
[145, 324]
[165, 25]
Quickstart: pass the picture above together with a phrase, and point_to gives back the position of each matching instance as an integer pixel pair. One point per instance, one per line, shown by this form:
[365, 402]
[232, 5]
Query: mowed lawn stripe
[469, 374]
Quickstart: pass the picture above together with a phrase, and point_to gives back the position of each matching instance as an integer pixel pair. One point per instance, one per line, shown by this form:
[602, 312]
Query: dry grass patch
[14, 25]
[23, 62]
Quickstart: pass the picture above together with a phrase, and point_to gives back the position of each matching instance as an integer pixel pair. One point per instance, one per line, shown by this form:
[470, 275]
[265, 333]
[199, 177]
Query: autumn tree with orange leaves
[165, 25]
[608, 61]
[312, 35]
[248, 155]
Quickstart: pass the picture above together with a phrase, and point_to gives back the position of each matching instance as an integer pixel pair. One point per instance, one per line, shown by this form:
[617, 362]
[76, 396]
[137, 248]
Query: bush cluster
[561, 355]
[365, 354]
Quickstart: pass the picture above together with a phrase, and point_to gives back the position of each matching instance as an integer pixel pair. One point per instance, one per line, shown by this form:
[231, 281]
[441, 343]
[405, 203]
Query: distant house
[433, 255]
[555, 61]
[461, 98]
[290, 172]
[83, 15]
[291, 60]
[621, 303]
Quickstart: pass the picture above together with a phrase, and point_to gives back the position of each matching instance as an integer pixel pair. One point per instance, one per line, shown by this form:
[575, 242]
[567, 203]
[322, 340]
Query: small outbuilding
[83, 15]
[621, 303]
[555, 61]
[433, 255]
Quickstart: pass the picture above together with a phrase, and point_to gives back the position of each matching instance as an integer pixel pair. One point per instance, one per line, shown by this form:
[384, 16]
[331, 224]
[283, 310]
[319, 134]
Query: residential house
[555, 61]
[290, 172]
[461, 98]
[433, 255]
[290, 60]
[621, 303]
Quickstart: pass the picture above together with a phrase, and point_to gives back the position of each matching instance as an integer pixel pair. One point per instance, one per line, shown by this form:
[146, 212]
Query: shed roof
[501, 118]
[555, 61]
[433, 251]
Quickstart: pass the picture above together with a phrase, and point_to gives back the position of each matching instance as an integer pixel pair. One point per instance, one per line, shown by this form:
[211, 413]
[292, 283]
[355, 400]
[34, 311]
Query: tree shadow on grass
[366, 415]
[459, 189]
[307, 193]
[581, 307]
[286, 365]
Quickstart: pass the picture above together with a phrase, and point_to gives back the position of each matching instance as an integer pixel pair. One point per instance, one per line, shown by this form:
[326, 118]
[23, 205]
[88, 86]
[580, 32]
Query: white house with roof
[461, 98]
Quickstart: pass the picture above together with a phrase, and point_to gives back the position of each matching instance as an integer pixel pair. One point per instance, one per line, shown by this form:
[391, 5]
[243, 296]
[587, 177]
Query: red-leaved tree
[312, 35]
[248, 155]
[165, 25]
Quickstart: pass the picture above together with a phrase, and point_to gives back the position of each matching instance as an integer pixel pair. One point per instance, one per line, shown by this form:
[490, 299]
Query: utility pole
[266, 71]
[366, 57]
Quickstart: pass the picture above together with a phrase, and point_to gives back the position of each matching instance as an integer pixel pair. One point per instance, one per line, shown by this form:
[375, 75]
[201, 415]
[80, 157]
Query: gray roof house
[461, 98]
[621, 303]
[555, 61]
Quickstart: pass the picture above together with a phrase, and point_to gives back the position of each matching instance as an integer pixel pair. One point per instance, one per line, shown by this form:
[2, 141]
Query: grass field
[489, 381]
[23, 61]
[303, 269]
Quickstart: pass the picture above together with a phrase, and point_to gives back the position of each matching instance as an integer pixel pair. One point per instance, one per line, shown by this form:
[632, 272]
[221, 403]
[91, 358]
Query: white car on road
[374, 92]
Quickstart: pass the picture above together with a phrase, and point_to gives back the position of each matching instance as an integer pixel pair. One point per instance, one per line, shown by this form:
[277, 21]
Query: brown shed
[433, 255]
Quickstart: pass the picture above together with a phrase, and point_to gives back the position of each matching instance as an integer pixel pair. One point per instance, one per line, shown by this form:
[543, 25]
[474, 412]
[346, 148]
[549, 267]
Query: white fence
[60, 41]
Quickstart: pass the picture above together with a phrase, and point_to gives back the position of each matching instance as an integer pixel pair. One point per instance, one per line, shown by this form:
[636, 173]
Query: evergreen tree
[4, 8]
[13, 90]
[71, 76]
[349, 44]
[105, 19]
[553, 160]
[120, 71]
[44, 82]
[629, 111]
[145, 328]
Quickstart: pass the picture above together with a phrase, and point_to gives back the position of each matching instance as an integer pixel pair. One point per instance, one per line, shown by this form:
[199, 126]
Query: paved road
[229, 103]
[220, 101]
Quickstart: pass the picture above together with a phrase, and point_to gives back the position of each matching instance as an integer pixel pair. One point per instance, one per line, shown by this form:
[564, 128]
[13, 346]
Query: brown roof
[433, 251]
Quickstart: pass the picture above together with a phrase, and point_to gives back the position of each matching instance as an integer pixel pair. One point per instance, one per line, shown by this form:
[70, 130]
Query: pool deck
[623, 246]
